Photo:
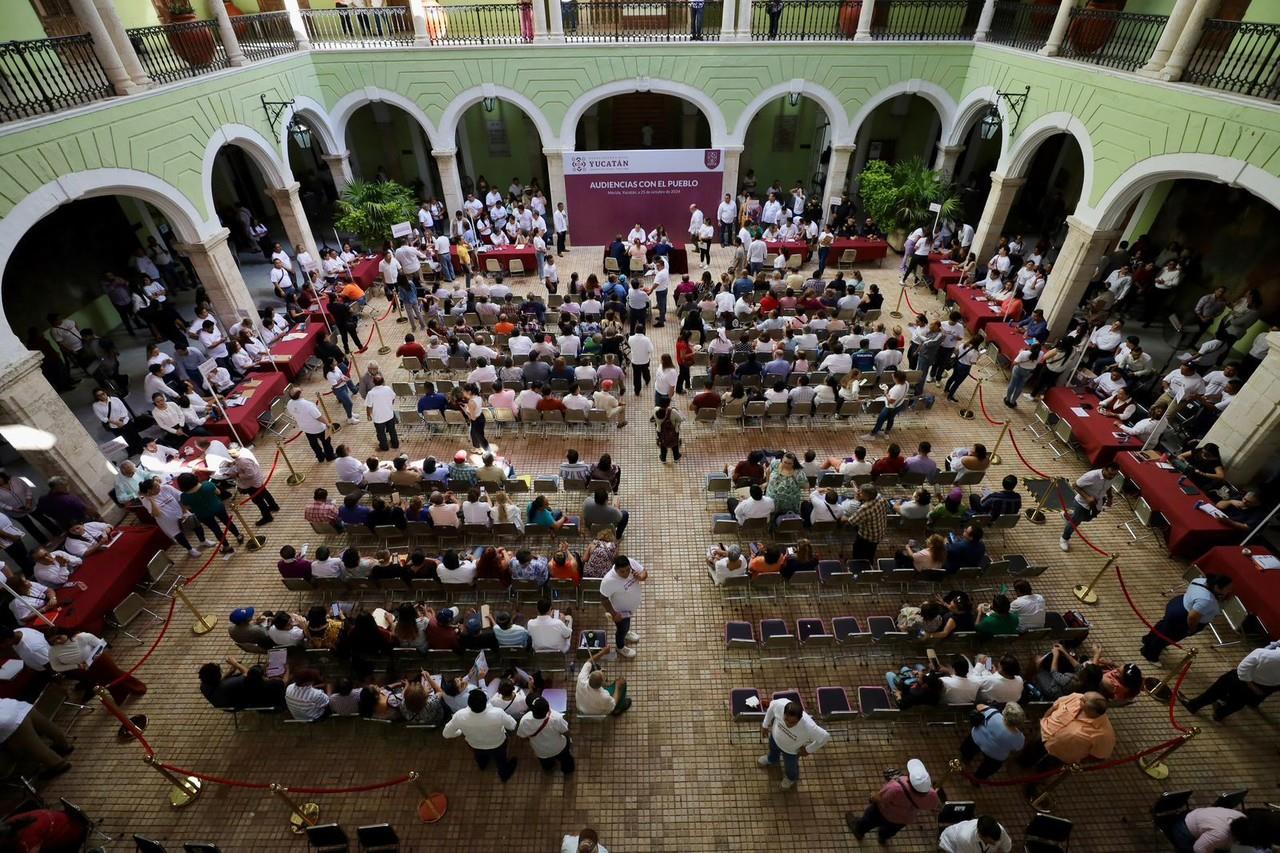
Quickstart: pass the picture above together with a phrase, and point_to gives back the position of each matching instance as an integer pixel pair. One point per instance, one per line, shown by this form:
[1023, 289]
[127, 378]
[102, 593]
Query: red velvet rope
[907, 297]
[263, 786]
[1018, 452]
[1134, 607]
[1173, 698]
[1088, 768]
[129, 727]
[164, 629]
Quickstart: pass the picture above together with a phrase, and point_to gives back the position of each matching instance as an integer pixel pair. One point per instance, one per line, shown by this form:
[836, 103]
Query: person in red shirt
[894, 463]
[411, 347]
[42, 831]
[441, 632]
[684, 360]
[707, 398]
[549, 402]
[768, 303]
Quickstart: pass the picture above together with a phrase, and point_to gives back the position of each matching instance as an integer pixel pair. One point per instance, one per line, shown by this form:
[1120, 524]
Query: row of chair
[432, 591]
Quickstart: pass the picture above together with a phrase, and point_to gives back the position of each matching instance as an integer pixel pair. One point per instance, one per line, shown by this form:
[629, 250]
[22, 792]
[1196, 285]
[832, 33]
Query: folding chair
[1231, 800]
[816, 642]
[766, 586]
[834, 579]
[1234, 613]
[1145, 517]
[1045, 418]
[142, 844]
[874, 702]
[378, 837]
[955, 811]
[1169, 809]
[81, 819]
[739, 645]
[1047, 834]
[157, 567]
[128, 610]
[774, 635]
[327, 838]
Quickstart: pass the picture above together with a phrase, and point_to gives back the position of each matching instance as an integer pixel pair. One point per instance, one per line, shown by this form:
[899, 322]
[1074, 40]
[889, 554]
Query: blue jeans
[343, 396]
[695, 21]
[1016, 381]
[885, 419]
[1079, 516]
[1183, 840]
[446, 266]
[790, 763]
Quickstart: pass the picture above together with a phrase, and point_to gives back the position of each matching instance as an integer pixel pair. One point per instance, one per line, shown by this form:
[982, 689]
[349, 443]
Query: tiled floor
[666, 776]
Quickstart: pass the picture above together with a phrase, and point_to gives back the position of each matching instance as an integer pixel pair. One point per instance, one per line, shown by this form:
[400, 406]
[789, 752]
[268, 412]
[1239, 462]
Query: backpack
[668, 434]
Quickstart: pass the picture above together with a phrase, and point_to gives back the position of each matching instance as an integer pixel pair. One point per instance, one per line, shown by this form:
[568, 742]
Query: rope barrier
[1136, 612]
[1173, 698]
[1018, 451]
[907, 297]
[265, 786]
[164, 629]
[1086, 768]
[982, 404]
[125, 722]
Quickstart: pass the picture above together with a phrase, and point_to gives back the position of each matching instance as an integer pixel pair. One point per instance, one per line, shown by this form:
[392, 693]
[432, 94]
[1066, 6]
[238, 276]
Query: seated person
[931, 557]
[1028, 606]
[991, 504]
[959, 616]
[539, 514]
[917, 507]
[965, 549]
[996, 618]
[768, 560]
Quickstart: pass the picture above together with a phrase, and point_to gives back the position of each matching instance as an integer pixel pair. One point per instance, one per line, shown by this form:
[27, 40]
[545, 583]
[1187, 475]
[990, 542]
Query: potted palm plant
[195, 45]
[368, 209]
[899, 197]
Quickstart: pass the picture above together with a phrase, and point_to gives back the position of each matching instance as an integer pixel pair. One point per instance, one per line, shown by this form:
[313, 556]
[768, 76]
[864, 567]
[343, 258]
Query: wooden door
[58, 18]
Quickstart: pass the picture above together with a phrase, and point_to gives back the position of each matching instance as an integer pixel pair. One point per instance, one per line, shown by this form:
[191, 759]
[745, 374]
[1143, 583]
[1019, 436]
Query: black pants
[675, 452]
[34, 521]
[321, 446]
[969, 750]
[726, 233]
[1233, 693]
[477, 434]
[864, 549]
[18, 550]
[347, 336]
[564, 759]
[704, 251]
[506, 764]
[127, 317]
[387, 433]
[872, 819]
[620, 630]
[560, 238]
[211, 522]
[915, 264]
[639, 372]
[682, 381]
[263, 500]
[957, 378]
[637, 317]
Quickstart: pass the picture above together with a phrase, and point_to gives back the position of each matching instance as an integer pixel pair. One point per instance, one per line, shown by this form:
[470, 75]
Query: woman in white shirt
[506, 513]
[664, 383]
[30, 598]
[475, 510]
[164, 502]
[1023, 364]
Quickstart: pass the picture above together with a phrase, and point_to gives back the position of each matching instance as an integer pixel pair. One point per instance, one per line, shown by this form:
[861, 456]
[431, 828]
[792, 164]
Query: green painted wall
[908, 134]
[797, 161]
[140, 13]
[20, 23]
[520, 153]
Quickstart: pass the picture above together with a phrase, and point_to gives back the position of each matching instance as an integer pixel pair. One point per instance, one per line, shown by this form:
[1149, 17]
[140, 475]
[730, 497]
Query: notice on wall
[610, 191]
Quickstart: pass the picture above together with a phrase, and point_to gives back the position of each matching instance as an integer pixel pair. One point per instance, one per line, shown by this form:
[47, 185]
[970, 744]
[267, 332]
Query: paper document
[1079, 412]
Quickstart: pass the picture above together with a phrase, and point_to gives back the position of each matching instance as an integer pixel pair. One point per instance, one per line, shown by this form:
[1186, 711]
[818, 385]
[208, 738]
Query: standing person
[661, 286]
[667, 421]
[895, 400]
[684, 361]
[116, 418]
[791, 733]
[1024, 363]
[341, 385]
[18, 501]
[548, 736]
[164, 502]
[622, 595]
[312, 422]
[1093, 492]
[380, 407]
[1187, 614]
[727, 215]
[1247, 685]
[204, 503]
[897, 803]
[23, 732]
[641, 354]
[560, 221]
[637, 306]
[473, 410]
[666, 382]
[696, 9]
[485, 728]
[252, 481]
[995, 738]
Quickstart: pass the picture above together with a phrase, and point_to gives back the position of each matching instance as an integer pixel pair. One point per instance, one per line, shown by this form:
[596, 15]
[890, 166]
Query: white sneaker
[627, 652]
[1064, 544]
[354, 419]
[763, 761]
[632, 637]
[787, 784]
[194, 552]
[870, 436]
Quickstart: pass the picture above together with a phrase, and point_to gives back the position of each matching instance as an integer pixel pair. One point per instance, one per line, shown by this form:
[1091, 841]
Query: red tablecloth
[973, 307]
[791, 247]
[365, 271]
[292, 355]
[1259, 590]
[943, 274]
[1191, 532]
[1009, 339]
[678, 257]
[245, 418]
[504, 255]
[867, 249]
[1094, 432]
[109, 576]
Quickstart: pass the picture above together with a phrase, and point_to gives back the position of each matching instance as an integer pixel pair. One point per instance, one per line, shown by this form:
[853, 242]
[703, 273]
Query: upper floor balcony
[101, 58]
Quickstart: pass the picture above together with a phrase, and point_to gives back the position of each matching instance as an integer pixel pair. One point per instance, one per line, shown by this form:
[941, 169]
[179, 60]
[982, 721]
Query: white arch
[94, 183]
[971, 108]
[352, 101]
[829, 102]
[465, 100]
[719, 129]
[1015, 161]
[1111, 209]
[254, 144]
[931, 92]
[313, 113]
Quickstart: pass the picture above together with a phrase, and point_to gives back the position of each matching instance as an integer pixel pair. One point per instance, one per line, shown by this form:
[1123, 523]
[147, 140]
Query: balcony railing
[494, 23]
[47, 75]
[920, 20]
[264, 36]
[389, 27]
[1114, 39]
[804, 20]
[177, 51]
[1237, 57]
[1021, 25]
[654, 20]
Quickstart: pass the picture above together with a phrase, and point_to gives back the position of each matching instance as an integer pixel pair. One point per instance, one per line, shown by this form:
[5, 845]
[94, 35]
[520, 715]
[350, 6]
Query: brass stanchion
[1035, 514]
[995, 456]
[954, 766]
[294, 477]
[433, 804]
[1041, 801]
[966, 411]
[203, 624]
[304, 814]
[383, 349]
[252, 541]
[1085, 592]
[333, 425]
[897, 308]
[1156, 768]
[184, 790]
[1158, 688]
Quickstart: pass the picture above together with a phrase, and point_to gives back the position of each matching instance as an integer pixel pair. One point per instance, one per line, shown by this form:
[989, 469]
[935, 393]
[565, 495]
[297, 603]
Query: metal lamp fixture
[991, 122]
[793, 98]
[490, 103]
[300, 132]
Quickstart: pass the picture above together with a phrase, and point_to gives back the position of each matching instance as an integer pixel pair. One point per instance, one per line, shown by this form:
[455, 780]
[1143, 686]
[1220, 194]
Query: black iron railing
[1114, 39]
[919, 20]
[1022, 25]
[265, 35]
[495, 23]
[178, 51]
[1237, 57]
[654, 20]
[387, 27]
[47, 75]
[803, 20]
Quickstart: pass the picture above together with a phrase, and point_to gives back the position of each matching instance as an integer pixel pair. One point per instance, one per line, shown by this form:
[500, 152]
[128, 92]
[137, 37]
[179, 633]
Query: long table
[1259, 590]
[1093, 431]
[973, 307]
[504, 255]
[365, 271]
[260, 391]
[791, 247]
[108, 577]
[943, 274]
[868, 249]
[1008, 338]
[677, 258]
[1191, 532]
[291, 355]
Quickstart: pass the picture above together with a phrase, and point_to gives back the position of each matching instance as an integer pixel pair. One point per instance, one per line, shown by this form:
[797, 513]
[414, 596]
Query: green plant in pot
[899, 196]
[180, 10]
[368, 209]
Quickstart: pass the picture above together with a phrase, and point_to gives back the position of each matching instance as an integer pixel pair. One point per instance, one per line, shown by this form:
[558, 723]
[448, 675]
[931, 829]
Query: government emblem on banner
[580, 163]
[711, 158]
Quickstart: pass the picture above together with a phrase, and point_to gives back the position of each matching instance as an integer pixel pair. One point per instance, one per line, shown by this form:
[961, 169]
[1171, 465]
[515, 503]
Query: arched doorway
[498, 145]
[238, 186]
[385, 142]
[981, 145]
[787, 144]
[1055, 178]
[634, 120]
[902, 128]
[316, 188]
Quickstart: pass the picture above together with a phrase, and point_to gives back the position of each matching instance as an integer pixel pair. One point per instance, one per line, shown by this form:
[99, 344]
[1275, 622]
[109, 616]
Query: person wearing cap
[461, 471]
[897, 803]
[485, 728]
[791, 733]
[604, 400]
[725, 563]
[245, 630]
[981, 835]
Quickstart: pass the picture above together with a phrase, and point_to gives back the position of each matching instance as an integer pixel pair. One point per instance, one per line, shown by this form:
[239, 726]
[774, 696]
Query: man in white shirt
[756, 252]
[1105, 339]
[485, 729]
[1247, 685]
[30, 645]
[441, 246]
[695, 223]
[312, 422]
[982, 835]
[548, 633]
[520, 344]
[791, 733]
[380, 407]
[957, 687]
[838, 362]
[546, 731]
[1181, 386]
[325, 566]
[82, 539]
[771, 212]
[576, 401]
[1144, 427]
[641, 354]
[726, 215]
[593, 696]
[1093, 492]
[998, 687]
[347, 469]
[756, 505]
[1028, 606]
[622, 594]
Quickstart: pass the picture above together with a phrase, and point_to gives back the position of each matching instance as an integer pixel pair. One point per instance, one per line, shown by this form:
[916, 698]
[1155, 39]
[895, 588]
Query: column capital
[1090, 232]
[335, 158]
[209, 244]
[284, 192]
[844, 149]
[1003, 181]
[556, 152]
[953, 149]
[15, 369]
[444, 152]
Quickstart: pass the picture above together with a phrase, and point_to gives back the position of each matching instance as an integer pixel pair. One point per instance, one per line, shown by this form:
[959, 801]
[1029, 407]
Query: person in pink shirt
[897, 803]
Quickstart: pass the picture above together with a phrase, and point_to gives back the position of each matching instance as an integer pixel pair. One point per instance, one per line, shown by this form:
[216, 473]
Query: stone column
[864, 20]
[539, 20]
[295, 21]
[726, 19]
[732, 158]
[1168, 38]
[994, 213]
[555, 32]
[28, 400]
[1072, 272]
[104, 48]
[217, 270]
[837, 177]
[418, 14]
[1180, 56]
[1248, 434]
[556, 191]
[120, 38]
[447, 163]
[340, 169]
[230, 43]
[984, 20]
[742, 22]
[294, 218]
[591, 128]
[1057, 35]
[946, 159]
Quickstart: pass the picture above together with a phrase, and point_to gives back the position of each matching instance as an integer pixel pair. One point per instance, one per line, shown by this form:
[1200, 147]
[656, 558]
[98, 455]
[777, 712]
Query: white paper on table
[1210, 509]
[1266, 562]
[1079, 412]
